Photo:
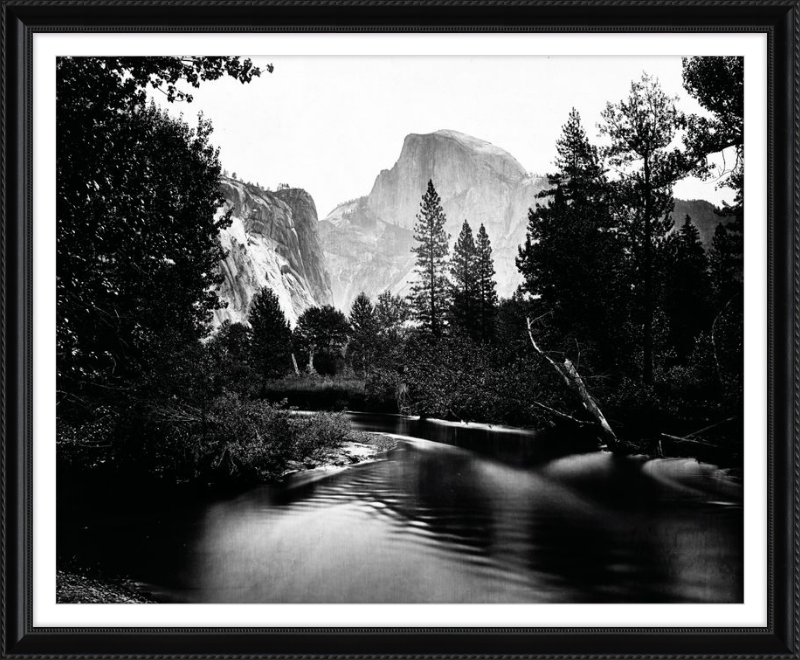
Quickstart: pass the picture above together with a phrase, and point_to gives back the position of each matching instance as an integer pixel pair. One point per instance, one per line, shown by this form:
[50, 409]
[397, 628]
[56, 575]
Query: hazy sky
[331, 124]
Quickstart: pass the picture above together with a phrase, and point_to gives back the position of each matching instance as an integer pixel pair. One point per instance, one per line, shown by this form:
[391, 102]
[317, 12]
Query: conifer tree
[725, 260]
[391, 314]
[688, 290]
[465, 305]
[363, 333]
[642, 128]
[572, 256]
[429, 294]
[486, 285]
[271, 335]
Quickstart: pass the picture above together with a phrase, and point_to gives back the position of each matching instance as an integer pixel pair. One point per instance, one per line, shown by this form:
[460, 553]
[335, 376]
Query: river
[455, 513]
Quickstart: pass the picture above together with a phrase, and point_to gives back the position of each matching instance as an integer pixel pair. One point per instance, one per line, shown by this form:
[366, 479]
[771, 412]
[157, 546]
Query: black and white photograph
[400, 329]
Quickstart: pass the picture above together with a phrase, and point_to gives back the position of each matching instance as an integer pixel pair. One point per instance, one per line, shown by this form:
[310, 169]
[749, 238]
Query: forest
[625, 330]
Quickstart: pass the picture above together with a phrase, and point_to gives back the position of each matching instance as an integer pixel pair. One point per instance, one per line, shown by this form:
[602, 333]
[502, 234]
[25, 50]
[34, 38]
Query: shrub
[232, 440]
[383, 389]
[318, 435]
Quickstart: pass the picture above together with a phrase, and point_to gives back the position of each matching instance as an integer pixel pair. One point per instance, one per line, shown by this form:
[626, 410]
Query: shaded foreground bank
[79, 586]
[81, 581]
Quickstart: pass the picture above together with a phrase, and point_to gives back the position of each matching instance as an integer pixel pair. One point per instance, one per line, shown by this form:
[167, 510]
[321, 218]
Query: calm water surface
[455, 513]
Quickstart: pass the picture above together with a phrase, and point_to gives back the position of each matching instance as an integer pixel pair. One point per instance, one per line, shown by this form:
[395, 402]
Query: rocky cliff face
[364, 253]
[367, 242]
[272, 241]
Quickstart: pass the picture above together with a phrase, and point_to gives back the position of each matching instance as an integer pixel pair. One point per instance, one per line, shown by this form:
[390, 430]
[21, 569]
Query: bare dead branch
[575, 384]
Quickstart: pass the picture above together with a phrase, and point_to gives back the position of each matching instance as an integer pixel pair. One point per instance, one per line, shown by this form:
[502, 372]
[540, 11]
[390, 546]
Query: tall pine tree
[271, 335]
[486, 286]
[688, 290]
[572, 257]
[465, 305]
[725, 262]
[363, 333]
[429, 294]
[642, 129]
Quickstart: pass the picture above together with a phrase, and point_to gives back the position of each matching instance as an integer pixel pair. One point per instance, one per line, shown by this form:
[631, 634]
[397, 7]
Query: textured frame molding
[780, 19]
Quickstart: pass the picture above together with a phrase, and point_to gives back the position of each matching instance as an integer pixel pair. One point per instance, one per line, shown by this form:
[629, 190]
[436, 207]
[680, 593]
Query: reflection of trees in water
[511, 446]
[643, 541]
[596, 558]
[589, 536]
[437, 494]
[450, 498]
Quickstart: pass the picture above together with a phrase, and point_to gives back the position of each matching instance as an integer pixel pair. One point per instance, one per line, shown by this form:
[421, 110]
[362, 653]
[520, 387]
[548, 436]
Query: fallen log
[575, 384]
[676, 438]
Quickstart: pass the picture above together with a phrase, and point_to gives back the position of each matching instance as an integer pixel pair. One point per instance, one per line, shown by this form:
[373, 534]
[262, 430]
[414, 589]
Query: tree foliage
[486, 285]
[391, 314]
[464, 274]
[137, 196]
[725, 259]
[642, 129]
[363, 333]
[717, 83]
[572, 257]
[271, 335]
[429, 293]
[322, 332]
[687, 290]
[137, 243]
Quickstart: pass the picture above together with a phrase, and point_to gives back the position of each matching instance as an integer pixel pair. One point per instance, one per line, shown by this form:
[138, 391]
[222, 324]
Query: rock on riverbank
[78, 587]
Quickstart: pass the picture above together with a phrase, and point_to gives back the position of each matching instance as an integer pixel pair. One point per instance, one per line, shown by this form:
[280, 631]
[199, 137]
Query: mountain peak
[502, 161]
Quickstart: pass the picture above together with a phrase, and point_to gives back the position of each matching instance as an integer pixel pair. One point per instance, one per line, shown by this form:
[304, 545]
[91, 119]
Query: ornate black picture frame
[778, 19]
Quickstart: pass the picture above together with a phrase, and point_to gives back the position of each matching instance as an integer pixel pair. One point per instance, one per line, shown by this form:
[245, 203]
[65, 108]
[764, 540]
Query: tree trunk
[575, 383]
[648, 277]
[294, 364]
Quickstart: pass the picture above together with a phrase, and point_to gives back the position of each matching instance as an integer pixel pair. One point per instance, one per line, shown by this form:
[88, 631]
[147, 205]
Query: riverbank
[360, 448]
[75, 584]
[78, 586]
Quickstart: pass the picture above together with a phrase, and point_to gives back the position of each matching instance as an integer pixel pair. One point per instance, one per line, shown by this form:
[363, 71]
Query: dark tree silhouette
[235, 340]
[687, 294]
[717, 83]
[137, 197]
[572, 257]
[464, 307]
[486, 285]
[642, 128]
[725, 264]
[322, 331]
[363, 333]
[429, 294]
[271, 335]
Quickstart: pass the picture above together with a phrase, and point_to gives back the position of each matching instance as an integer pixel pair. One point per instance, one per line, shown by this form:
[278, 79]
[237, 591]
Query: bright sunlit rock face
[272, 241]
[367, 241]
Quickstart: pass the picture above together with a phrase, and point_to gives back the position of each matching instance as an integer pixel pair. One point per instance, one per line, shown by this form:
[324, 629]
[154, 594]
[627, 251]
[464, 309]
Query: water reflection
[443, 524]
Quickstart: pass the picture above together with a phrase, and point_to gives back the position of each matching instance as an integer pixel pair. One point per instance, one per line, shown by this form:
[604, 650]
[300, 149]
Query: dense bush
[317, 392]
[233, 440]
